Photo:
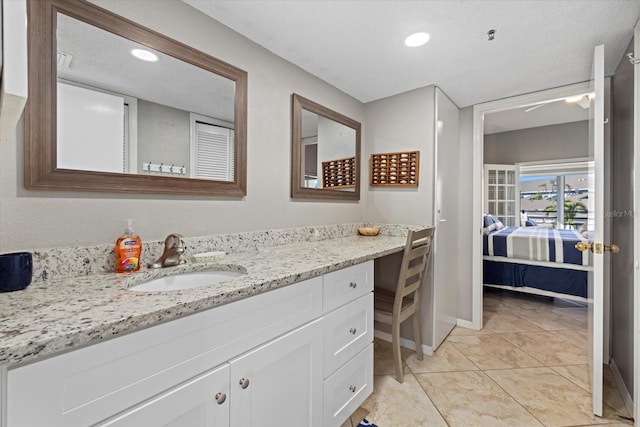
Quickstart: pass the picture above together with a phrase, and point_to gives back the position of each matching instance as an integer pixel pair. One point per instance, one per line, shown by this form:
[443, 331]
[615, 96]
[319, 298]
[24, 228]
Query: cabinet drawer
[193, 404]
[348, 387]
[89, 385]
[343, 286]
[347, 331]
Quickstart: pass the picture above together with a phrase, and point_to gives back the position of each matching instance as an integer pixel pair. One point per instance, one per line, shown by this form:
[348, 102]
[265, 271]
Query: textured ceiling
[102, 60]
[358, 47]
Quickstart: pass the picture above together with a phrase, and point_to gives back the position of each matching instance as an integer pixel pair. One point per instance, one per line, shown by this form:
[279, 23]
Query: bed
[536, 260]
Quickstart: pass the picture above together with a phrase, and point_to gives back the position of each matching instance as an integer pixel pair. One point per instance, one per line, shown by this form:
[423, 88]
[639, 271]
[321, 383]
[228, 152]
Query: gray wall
[564, 141]
[622, 221]
[30, 219]
[465, 220]
[403, 122]
[163, 135]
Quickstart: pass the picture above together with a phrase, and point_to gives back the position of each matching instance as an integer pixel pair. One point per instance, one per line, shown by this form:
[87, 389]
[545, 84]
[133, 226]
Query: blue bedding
[536, 244]
[559, 280]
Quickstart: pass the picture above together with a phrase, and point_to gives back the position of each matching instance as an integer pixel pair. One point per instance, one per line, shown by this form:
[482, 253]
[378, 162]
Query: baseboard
[385, 336]
[465, 324]
[628, 400]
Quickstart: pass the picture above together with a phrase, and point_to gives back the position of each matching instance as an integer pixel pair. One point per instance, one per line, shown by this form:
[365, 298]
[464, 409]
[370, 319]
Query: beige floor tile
[577, 374]
[612, 396]
[446, 358]
[547, 348]
[625, 424]
[355, 418]
[393, 404]
[580, 375]
[577, 313]
[459, 330]
[518, 301]
[472, 398]
[548, 396]
[550, 321]
[506, 323]
[492, 352]
[383, 359]
[577, 337]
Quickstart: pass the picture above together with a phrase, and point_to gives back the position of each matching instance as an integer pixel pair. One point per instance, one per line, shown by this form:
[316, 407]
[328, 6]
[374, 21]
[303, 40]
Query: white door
[280, 383]
[595, 291]
[445, 254]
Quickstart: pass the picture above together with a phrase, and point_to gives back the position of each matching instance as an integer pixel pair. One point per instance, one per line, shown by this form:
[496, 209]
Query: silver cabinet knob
[353, 331]
[244, 382]
[352, 388]
[353, 285]
[220, 398]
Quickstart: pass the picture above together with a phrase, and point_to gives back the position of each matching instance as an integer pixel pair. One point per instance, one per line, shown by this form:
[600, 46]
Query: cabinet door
[200, 402]
[347, 331]
[280, 383]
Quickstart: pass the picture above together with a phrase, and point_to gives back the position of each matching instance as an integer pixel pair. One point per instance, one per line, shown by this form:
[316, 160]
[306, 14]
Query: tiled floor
[527, 367]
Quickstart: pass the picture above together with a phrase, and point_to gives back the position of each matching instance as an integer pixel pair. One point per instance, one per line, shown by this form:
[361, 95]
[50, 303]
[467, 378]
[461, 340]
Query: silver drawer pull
[353, 331]
[353, 284]
[220, 398]
[244, 383]
[352, 388]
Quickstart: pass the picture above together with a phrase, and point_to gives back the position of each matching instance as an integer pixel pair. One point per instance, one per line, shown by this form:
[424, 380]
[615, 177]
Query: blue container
[15, 271]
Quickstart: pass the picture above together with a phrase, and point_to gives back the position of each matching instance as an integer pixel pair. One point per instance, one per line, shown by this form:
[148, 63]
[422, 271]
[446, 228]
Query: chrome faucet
[173, 248]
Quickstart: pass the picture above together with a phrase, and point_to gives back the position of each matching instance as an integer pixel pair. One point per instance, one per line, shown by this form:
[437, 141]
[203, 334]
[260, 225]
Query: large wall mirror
[325, 153]
[116, 107]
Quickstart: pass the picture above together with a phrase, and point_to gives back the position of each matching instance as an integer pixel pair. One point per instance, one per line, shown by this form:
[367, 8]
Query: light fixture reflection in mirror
[325, 153]
[99, 119]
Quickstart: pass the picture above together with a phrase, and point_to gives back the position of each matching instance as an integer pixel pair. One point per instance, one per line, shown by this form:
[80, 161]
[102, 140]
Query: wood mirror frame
[40, 169]
[298, 191]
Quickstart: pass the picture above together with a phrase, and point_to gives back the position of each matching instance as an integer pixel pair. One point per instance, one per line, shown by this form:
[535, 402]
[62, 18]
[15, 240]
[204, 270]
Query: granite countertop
[69, 312]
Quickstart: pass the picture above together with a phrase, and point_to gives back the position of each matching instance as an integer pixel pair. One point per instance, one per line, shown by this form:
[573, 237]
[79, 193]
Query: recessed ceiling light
[144, 55]
[417, 39]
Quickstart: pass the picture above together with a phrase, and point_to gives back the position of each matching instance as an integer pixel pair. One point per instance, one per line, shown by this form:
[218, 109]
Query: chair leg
[417, 336]
[395, 342]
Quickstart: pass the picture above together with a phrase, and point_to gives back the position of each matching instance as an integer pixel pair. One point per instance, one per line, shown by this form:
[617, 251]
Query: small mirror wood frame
[298, 191]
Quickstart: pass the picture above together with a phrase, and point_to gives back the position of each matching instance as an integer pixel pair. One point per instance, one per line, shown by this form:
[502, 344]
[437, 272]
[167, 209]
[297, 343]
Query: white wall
[403, 122]
[30, 219]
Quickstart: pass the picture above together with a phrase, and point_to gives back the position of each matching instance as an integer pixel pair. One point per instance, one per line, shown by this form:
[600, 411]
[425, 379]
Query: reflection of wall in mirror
[335, 141]
[163, 135]
[310, 162]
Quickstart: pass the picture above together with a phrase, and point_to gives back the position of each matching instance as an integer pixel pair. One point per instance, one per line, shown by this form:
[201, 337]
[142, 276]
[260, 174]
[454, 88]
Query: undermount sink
[185, 281]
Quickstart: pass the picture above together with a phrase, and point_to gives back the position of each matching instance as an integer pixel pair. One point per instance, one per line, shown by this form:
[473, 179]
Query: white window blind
[214, 152]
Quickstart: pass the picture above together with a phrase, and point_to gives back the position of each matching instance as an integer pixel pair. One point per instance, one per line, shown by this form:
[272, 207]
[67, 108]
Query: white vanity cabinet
[264, 360]
[257, 388]
[348, 341]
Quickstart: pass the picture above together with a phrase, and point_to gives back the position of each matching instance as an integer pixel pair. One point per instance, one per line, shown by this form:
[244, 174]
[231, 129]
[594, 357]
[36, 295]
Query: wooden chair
[394, 308]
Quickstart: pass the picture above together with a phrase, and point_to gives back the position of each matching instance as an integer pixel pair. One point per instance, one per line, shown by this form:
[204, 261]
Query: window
[557, 198]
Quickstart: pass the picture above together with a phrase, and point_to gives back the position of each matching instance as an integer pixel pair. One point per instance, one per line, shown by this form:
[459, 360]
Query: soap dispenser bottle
[128, 250]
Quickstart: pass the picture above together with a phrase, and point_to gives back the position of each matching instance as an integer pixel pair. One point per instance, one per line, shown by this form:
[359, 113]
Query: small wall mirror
[325, 151]
[114, 106]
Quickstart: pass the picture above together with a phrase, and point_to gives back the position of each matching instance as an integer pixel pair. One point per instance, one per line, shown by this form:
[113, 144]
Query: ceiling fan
[581, 100]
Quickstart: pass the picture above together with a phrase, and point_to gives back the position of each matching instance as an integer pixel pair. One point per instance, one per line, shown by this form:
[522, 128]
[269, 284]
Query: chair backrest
[415, 260]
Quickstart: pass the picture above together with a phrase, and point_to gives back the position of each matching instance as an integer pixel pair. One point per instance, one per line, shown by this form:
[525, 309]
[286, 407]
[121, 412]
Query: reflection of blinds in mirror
[214, 153]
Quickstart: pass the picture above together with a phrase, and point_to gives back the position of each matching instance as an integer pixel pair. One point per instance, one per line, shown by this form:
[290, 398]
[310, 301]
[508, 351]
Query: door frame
[479, 111]
[636, 225]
